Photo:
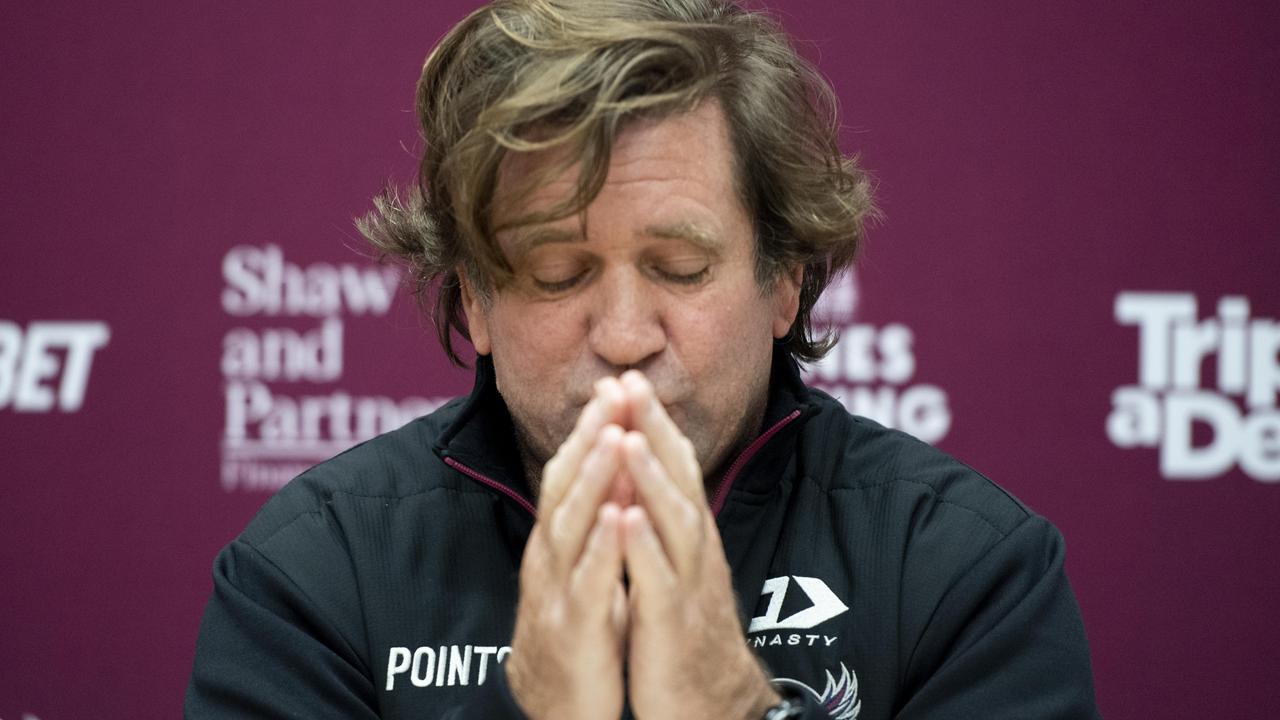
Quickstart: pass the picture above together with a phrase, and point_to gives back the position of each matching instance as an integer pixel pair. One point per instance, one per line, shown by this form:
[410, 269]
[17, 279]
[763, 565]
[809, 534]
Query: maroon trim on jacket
[485, 479]
[726, 483]
[717, 504]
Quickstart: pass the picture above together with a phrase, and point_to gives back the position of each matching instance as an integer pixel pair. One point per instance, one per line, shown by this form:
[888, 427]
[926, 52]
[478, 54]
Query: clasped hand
[625, 492]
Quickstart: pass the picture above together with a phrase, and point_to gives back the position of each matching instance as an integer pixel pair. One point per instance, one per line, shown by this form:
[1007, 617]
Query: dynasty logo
[817, 604]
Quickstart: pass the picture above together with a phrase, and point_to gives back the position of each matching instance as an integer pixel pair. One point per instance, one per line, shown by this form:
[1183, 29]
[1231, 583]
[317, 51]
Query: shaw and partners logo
[290, 339]
[47, 366]
[871, 369]
[1237, 417]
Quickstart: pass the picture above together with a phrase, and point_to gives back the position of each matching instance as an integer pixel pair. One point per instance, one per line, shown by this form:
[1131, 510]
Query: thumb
[619, 613]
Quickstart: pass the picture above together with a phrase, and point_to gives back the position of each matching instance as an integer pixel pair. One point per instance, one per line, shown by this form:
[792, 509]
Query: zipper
[486, 480]
[722, 491]
[726, 483]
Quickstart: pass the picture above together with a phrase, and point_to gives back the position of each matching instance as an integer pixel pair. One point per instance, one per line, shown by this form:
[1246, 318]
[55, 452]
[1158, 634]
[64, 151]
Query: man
[630, 207]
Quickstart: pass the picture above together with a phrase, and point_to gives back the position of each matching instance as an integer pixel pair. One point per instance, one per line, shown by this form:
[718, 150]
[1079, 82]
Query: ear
[786, 300]
[477, 316]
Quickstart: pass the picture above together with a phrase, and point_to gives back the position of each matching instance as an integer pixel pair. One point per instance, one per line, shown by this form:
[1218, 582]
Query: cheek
[534, 353]
[726, 348]
[533, 341]
[724, 334]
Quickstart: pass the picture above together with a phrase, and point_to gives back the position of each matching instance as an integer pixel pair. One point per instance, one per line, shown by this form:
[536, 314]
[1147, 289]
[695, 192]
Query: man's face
[661, 278]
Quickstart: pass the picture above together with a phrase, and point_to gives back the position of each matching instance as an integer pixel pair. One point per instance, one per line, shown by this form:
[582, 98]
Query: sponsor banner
[282, 362]
[1206, 392]
[444, 665]
[872, 368]
[45, 366]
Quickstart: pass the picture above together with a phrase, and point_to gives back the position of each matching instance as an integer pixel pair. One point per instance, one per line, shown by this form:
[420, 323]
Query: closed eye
[558, 286]
[682, 278]
[553, 287]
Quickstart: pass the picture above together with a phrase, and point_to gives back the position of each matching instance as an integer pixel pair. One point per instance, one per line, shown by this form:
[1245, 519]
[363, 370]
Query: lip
[577, 404]
[670, 393]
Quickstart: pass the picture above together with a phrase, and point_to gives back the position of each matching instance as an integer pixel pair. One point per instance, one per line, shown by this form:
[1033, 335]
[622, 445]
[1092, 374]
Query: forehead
[688, 155]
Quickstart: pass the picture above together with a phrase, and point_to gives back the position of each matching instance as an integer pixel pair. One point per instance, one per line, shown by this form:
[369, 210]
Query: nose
[626, 327]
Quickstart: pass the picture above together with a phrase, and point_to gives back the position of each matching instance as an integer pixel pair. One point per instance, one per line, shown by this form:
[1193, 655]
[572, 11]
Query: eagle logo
[840, 697]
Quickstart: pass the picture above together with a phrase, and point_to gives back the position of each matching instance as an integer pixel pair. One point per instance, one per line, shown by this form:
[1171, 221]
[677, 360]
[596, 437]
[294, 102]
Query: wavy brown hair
[528, 75]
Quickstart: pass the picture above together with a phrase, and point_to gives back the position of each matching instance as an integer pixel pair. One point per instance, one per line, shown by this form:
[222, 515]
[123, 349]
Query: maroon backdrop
[1075, 289]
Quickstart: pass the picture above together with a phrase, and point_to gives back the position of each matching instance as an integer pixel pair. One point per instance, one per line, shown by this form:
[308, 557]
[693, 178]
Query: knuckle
[716, 571]
[690, 519]
[692, 468]
[691, 615]
[553, 468]
[534, 570]
[668, 603]
[580, 608]
[533, 550]
[552, 614]
[558, 533]
[589, 463]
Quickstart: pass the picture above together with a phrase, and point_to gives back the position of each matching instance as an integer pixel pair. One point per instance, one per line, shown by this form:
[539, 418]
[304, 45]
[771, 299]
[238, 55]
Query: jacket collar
[480, 441]
[481, 438]
[757, 467]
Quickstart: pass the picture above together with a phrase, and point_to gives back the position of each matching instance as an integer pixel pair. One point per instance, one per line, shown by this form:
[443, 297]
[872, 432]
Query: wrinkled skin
[661, 279]
[633, 351]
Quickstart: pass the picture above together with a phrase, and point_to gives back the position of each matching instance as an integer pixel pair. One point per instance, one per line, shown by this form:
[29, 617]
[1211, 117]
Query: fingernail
[589, 413]
[634, 516]
[641, 386]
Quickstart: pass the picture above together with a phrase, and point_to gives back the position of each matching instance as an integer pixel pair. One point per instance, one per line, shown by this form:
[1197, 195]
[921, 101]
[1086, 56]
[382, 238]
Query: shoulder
[394, 465]
[954, 540]
[859, 459]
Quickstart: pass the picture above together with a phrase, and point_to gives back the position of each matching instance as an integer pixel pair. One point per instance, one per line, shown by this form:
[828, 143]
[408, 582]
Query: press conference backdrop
[1075, 289]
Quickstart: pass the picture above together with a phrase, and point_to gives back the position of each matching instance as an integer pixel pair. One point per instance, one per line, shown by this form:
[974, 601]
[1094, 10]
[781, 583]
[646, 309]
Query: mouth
[577, 403]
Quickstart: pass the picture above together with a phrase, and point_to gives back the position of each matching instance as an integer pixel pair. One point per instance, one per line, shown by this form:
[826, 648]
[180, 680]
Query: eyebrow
[691, 232]
[528, 238]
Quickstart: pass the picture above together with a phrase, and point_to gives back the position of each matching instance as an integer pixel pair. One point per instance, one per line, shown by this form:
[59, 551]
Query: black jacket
[878, 577]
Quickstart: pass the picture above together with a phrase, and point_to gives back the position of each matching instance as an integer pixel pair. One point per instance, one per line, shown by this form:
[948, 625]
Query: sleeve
[1006, 639]
[268, 648]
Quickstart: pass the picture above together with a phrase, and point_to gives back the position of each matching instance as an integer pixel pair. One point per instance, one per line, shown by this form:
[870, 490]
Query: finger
[677, 519]
[535, 563]
[606, 405]
[623, 492]
[670, 446]
[594, 577]
[572, 519]
[618, 615]
[652, 579]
